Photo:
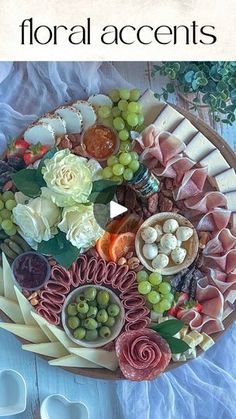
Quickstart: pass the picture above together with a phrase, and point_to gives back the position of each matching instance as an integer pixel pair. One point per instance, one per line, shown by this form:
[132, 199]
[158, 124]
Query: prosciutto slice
[208, 202]
[214, 220]
[224, 241]
[192, 183]
[225, 263]
[175, 168]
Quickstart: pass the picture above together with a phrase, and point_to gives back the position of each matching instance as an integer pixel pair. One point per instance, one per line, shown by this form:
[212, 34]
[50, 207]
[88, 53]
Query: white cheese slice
[231, 200]
[151, 107]
[215, 162]
[30, 333]
[190, 353]
[226, 181]
[8, 280]
[189, 340]
[207, 342]
[100, 100]
[197, 337]
[233, 219]
[56, 122]
[185, 131]
[25, 308]
[60, 335]
[40, 132]
[72, 117]
[43, 324]
[175, 357]
[73, 361]
[87, 111]
[11, 309]
[1, 282]
[198, 147]
[99, 356]
[168, 119]
[51, 349]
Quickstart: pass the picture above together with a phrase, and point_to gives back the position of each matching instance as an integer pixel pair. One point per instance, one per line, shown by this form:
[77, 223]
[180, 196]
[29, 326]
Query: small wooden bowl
[190, 245]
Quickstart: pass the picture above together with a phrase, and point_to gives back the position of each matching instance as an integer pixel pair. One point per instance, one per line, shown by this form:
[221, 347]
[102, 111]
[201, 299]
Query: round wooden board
[230, 157]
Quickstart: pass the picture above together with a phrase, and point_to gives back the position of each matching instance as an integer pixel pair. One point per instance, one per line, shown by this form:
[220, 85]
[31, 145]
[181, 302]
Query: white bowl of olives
[92, 316]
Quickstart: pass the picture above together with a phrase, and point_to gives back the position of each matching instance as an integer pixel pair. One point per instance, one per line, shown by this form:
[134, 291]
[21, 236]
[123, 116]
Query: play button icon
[116, 209]
[106, 213]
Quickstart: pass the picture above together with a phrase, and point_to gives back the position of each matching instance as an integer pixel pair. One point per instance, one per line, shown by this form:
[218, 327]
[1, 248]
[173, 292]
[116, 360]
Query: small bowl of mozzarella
[166, 243]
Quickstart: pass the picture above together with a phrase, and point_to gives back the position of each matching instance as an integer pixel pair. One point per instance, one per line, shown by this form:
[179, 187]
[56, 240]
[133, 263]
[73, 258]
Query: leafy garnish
[167, 330]
[103, 191]
[177, 346]
[60, 249]
[27, 182]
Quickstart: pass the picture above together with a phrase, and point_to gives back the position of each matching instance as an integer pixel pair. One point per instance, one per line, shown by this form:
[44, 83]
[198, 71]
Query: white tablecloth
[204, 388]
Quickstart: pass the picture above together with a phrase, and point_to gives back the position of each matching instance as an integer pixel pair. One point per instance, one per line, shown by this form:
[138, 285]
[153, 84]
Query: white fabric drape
[206, 387]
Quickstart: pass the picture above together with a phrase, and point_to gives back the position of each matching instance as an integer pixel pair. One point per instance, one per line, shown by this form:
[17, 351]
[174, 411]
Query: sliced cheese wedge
[51, 349]
[151, 106]
[215, 162]
[73, 361]
[72, 117]
[30, 333]
[11, 309]
[40, 132]
[168, 119]
[25, 308]
[231, 201]
[207, 342]
[59, 334]
[1, 282]
[56, 122]
[8, 280]
[198, 147]
[99, 356]
[226, 181]
[87, 111]
[43, 324]
[100, 100]
[185, 131]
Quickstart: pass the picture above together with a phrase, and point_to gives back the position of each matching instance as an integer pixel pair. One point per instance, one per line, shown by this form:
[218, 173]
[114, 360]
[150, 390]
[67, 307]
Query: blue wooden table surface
[43, 380]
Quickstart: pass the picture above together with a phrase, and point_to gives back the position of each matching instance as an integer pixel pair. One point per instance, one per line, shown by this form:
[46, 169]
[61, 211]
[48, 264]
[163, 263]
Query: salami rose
[143, 354]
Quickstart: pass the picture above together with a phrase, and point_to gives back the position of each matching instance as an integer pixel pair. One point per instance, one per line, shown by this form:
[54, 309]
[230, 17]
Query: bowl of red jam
[100, 142]
[31, 271]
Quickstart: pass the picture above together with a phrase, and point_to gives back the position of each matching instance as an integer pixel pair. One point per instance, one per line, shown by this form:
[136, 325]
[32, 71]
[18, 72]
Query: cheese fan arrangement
[136, 294]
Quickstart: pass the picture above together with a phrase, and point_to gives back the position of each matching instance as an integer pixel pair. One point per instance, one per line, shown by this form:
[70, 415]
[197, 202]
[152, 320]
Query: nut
[121, 261]
[153, 203]
[165, 204]
[169, 183]
[129, 255]
[204, 238]
[139, 268]
[32, 296]
[34, 302]
[133, 263]
[26, 293]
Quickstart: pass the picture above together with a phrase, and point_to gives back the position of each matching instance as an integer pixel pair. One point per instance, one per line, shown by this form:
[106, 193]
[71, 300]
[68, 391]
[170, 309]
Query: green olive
[72, 309]
[102, 316]
[73, 322]
[103, 299]
[91, 334]
[82, 307]
[79, 333]
[113, 310]
[92, 312]
[90, 324]
[80, 298]
[82, 316]
[90, 293]
[110, 322]
[105, 332]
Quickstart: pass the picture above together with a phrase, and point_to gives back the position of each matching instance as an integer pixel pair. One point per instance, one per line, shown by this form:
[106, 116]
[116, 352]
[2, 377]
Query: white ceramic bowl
[12, 393]
[116, 328]
[58, 406]
[190, 245]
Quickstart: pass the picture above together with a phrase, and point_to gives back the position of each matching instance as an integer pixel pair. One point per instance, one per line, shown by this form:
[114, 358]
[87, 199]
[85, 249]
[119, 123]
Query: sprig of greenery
[214, 81]
[167, 330]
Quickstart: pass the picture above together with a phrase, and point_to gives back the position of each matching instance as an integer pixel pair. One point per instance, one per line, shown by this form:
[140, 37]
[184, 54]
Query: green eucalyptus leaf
[27, 182]
[103, 191]
[177, 346]
[169, 327]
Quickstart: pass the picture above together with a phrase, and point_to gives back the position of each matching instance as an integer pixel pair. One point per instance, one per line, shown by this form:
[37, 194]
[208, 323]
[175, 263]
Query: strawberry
[17, 147]
[34, 153]
[180, 299]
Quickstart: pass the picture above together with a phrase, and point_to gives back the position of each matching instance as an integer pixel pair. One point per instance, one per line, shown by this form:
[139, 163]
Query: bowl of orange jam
[100, 142]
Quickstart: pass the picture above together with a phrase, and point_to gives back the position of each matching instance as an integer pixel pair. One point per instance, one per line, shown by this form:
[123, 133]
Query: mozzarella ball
[179, 242]
[169, 241]
[149, 234]
[184, 233]
[170, 226]
[178, 255]
[164, 250]
[150, 251]
[159, 231]
[160, 262]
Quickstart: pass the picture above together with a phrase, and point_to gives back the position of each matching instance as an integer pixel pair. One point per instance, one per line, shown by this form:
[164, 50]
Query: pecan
[64, 142]
[204, 238]
[32, 296]
[121, 261]
[120, 194]
[153, 203]
[165, 204]
[34, 302]
[133, 263]
[129, 255]
[139, 268]
[130, 199]
[169, 183]
[167, 193]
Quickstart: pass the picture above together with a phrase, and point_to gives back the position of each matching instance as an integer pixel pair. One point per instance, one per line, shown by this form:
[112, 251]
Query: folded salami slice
[136, 313]
[50, 316]
[133, 301]
[51, 306]
[90, 271]
[119, 275]
[78, 270]
[58, 288]
[54, 297]
[101, 272]
[111, 269]
[60, 274]
[139, 324]
[127, 281]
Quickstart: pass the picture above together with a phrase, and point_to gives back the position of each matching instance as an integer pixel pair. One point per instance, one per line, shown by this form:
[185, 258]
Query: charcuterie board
[163, 123]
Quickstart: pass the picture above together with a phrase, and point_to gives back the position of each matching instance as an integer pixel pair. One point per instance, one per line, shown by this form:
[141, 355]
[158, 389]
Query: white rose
[38, 219]
[68, 178]
[80, 226]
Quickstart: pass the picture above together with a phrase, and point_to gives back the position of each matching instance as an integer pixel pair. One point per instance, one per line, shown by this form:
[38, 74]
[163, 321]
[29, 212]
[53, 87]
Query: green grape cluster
[121, 167]
[157, 292]
[7, 203]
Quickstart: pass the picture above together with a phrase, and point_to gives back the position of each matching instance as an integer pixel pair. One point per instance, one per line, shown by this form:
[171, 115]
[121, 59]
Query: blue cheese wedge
[73, 361]
[185, 131]
[207, 342]
[8, 280]
[51, 349]
[231, 201]
[11, 309]
[215, 163]
[151, 107]
[168, 119]
[98, 356]
[30, 333]
[226, 181]
[25, 308]
[198, 147]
